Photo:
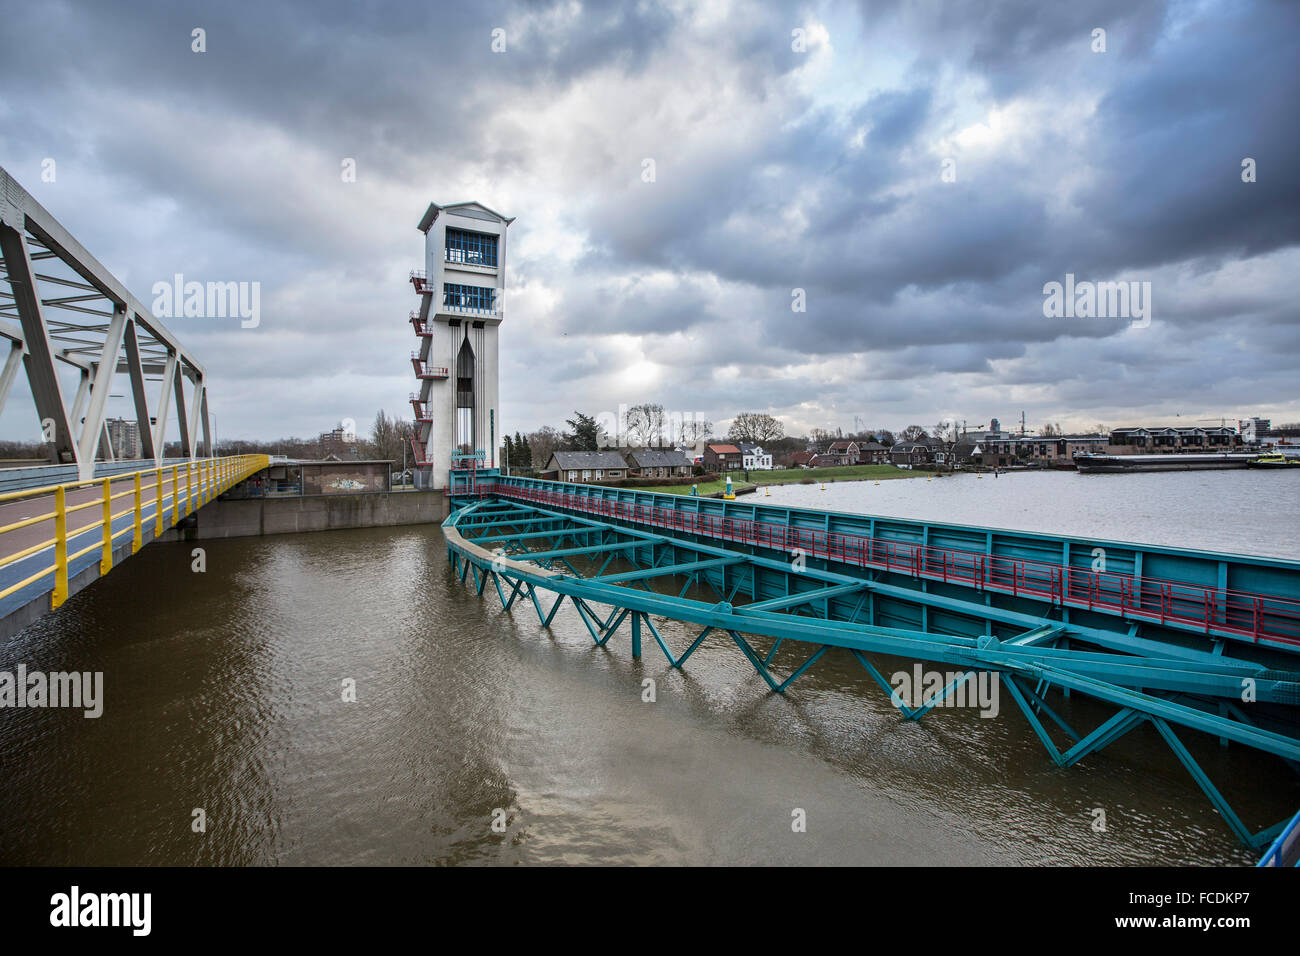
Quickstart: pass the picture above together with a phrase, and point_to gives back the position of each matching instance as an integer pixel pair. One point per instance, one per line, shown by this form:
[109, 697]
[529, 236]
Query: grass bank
[785, 476]
[707, 488]
[788, 476]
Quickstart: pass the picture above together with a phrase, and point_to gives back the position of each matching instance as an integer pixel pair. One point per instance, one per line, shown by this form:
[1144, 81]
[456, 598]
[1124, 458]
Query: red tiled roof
[724, 449]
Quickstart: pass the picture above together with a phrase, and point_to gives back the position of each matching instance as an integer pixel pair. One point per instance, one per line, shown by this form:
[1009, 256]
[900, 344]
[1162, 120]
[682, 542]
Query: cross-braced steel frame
[59, 304]
[526, 551]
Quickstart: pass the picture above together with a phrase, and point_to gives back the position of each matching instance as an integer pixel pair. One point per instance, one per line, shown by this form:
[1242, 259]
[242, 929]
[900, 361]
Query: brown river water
[223, 692]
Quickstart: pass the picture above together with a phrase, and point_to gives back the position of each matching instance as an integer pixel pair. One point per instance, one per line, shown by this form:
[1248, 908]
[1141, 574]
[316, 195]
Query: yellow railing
[201, 482]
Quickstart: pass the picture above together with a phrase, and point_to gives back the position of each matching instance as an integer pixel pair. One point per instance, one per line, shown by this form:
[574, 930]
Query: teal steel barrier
[885, 596]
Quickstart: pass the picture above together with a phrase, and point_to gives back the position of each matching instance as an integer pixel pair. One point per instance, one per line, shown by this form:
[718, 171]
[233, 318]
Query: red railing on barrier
[1239, 613]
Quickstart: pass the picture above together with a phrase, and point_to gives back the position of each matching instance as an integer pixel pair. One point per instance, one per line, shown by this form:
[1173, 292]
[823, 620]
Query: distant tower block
[462, 292]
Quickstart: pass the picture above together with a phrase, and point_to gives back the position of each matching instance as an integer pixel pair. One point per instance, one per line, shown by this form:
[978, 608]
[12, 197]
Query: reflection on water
[223, 691]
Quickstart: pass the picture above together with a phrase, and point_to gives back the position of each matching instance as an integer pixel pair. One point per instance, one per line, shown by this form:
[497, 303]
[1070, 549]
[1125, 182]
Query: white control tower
[462, 292]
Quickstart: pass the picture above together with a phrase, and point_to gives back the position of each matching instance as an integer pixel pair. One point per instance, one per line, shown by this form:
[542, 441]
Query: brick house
[911, 454]
[843, 453]
[720, 458]
[872, 453]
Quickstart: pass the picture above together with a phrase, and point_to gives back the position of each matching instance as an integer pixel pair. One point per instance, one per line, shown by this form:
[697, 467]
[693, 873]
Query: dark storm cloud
[1011, 44]
[775, 170]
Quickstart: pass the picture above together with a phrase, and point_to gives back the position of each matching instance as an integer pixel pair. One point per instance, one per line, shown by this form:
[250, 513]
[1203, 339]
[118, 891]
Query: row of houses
[742, 456]
[842, 453]
[988, 449]
[610, 464]
[586, 466]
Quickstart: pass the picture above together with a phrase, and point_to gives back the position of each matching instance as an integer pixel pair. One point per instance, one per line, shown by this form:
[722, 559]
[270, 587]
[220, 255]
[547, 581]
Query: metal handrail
[1243, 613]
[204, 479]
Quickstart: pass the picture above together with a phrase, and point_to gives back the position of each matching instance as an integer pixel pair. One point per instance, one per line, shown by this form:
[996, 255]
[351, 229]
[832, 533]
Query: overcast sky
[775, 169]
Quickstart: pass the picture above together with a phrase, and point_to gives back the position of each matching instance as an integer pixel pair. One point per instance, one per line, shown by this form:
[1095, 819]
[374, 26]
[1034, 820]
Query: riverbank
[786, 476]
[792, 476]
[702, 488]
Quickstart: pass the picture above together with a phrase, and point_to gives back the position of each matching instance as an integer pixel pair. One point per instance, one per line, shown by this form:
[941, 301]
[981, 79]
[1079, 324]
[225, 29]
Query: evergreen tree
[585, 435]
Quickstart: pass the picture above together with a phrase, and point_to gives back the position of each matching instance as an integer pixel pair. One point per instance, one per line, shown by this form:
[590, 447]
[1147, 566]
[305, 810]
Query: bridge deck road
[83, 531]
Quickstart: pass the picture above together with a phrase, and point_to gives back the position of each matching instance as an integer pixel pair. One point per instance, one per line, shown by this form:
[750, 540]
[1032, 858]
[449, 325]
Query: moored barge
[1173, 462]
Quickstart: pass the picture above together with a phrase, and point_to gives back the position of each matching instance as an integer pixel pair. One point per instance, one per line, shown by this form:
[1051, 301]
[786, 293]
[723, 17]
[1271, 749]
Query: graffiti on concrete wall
[346, 484]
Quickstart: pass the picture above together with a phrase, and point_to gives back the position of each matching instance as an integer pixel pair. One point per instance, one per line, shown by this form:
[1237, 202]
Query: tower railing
[421, 328]
[495, 310]
[425, 370]
[1245, 615]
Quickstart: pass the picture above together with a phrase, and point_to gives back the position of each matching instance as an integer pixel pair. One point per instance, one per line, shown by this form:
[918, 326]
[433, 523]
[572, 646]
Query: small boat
[1273, 461]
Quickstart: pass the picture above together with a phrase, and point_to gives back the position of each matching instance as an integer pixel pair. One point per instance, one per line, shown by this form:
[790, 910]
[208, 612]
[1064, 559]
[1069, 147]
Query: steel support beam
[100, 389]
[196, 423]
[13, 363]
[144, 427]
[178, 383]
[164, 408]
[39, 359]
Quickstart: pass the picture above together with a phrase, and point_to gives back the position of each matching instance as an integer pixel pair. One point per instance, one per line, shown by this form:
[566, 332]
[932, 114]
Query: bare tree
[756, 428]
[644, 424]
[913, 433]
[691, 430]
[543, 443]
[388, 435]
[947, 431]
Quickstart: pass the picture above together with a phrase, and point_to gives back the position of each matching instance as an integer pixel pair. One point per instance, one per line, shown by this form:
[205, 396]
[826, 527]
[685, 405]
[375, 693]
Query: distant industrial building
[1253, 430]
[337, 442]
[123, 438]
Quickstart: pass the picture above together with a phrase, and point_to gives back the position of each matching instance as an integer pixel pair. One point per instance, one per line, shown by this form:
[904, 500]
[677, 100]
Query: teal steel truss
[605, 571]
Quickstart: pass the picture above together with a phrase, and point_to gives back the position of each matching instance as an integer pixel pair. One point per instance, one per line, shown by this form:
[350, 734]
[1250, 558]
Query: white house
[754, 458]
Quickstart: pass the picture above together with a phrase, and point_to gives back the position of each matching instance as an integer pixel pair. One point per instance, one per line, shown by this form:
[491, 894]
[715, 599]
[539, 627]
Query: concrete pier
[250, 517]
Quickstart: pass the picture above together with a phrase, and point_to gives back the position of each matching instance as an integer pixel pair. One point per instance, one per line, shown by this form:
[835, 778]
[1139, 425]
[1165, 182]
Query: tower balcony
[424, 370]
[421, 328]
[422, 414]
[420, 279]
[493, 311]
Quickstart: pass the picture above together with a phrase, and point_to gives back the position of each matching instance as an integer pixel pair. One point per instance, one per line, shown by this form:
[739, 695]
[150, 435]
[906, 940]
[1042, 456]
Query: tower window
[469, 298]
[471, 248]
